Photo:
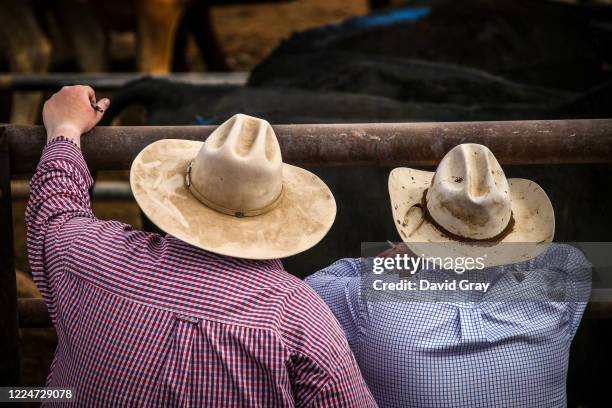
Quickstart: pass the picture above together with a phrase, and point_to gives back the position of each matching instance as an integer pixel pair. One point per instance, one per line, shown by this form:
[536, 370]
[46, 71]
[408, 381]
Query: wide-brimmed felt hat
[469, 208]
[232, 194]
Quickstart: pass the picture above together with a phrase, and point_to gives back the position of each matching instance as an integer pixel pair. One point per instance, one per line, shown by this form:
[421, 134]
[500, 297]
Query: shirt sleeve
[339, 285]
[64, 235]
[343, 387]
[323, 370]
[59, 192]
[578, 270]
[566, 268]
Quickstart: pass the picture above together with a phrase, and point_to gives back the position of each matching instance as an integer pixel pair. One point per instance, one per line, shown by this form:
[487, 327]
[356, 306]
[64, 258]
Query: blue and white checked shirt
[507, 347]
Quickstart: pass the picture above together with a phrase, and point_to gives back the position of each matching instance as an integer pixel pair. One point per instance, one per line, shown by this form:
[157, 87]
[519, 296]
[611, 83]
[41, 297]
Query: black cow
[363, 207]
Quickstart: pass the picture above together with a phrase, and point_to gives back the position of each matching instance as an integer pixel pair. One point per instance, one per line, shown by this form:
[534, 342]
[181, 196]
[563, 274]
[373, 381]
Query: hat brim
[301, 219]
[533, 230]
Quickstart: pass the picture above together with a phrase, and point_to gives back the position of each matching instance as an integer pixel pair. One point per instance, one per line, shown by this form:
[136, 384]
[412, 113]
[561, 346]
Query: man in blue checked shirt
[484, 313]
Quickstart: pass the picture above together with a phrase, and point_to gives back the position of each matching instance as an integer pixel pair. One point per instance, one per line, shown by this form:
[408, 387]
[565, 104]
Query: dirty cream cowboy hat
[469, 208]
[232, 194]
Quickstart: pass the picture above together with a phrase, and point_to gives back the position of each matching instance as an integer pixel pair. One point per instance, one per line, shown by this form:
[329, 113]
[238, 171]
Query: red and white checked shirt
[147, 320]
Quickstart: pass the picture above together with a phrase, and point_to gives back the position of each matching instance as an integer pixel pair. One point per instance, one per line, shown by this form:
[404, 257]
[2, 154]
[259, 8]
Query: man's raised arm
[60, 186]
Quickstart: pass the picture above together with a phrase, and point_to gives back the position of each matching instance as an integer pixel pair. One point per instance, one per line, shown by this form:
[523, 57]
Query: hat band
[460, 238]
[235, 213]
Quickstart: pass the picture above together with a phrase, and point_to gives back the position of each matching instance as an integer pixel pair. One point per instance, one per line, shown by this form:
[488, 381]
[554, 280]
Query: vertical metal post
[9, 334]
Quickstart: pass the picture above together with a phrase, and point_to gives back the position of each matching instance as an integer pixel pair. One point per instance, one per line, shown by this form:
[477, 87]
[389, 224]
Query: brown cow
[81, 28]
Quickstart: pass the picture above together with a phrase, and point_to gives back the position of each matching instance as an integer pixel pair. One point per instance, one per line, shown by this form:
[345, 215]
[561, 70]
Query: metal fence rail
[382, 144]
[109, 82]
[414, 144]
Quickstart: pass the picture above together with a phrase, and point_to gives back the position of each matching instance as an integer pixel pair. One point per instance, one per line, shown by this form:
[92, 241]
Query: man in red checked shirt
[205, 316]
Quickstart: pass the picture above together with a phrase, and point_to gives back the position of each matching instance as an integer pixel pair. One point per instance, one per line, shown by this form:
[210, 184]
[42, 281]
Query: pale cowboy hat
[232, 194]
[469, 208]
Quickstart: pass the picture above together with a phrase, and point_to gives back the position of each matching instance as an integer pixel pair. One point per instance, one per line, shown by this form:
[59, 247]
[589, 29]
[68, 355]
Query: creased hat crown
[469, 195]
[239, 168]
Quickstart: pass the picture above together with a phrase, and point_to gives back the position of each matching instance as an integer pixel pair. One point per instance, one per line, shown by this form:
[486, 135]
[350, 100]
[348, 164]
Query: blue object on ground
[408, 14]
[199, 120]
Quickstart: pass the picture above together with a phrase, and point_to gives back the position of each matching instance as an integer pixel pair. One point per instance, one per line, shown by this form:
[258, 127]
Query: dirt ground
[247, 34]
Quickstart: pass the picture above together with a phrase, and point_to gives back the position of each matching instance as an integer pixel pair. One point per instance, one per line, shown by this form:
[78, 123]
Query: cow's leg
[179, 59]
[85, 34]
[200, 23]
[28, 51]
[157, 24]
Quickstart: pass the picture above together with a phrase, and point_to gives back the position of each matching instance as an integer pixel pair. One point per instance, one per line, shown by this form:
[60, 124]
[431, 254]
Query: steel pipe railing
[112, 81]
[381, 144]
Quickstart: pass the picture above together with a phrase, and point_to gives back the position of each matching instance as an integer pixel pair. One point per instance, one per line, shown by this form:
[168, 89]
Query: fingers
[74, 110]
[103, 104]
[91, 95]
[85, 91]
